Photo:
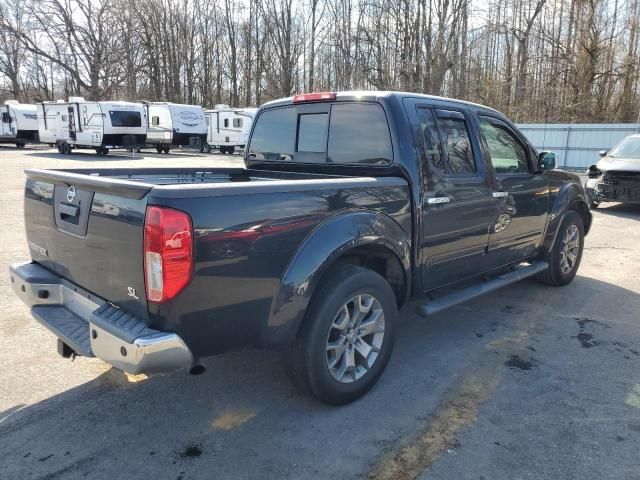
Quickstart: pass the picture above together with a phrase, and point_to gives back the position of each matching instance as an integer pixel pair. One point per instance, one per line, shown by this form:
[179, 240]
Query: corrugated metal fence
[577, 145]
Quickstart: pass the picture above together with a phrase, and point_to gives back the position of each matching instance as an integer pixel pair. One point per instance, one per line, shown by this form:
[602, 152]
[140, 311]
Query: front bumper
[93, 327]
[599, 192]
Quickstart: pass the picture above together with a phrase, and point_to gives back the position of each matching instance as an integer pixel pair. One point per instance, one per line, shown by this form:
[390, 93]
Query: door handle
[500, 194]
[437, 200]
[67, 210]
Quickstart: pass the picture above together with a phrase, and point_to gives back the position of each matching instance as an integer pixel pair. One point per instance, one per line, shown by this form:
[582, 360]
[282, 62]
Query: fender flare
[569, 195]
[322, 247]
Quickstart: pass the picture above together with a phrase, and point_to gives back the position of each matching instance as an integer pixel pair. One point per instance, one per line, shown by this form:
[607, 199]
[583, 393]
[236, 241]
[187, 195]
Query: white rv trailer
[18, 124]
[175, 125]
[98, 125]
[228, 127]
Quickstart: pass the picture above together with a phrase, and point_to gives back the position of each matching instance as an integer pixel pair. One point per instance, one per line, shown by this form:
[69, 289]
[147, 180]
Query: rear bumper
[93, 327]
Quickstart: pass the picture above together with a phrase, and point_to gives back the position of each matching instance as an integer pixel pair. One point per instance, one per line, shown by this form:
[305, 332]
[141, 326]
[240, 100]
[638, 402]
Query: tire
[60, 150]
[66, 148]
[99, 151]
[557, 274]
[309, 358]
[593, 204]
[166, 150]
[105, 151]
[230, 150]
[19, 145]
[159, 149]
[207, 148]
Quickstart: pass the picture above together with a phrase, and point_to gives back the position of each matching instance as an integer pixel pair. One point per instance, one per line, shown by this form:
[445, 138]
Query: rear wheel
[159, 149]
[566, 254]
[59, 147]
[66, 148]
[207, 148]
[166, 149]
[347, 336]
[230, 150]
[20, 145]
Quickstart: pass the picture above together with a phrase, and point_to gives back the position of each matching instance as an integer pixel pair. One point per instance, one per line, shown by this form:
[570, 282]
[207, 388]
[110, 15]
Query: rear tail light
[168, 252]
[314, 97]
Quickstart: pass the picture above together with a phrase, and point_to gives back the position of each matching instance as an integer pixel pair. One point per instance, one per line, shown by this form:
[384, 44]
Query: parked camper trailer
[175, 125]
[18, 123]
[98, 125]
[228, 128]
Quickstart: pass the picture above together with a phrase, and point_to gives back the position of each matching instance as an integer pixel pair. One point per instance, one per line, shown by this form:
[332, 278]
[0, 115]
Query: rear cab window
[347, 133]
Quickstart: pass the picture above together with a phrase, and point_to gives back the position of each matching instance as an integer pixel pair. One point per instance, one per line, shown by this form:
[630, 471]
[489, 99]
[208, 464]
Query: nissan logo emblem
[71, 193]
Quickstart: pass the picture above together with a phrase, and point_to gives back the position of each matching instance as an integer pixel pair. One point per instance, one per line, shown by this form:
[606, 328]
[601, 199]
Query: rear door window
[456, 142]
[359, 134]
[430, 140]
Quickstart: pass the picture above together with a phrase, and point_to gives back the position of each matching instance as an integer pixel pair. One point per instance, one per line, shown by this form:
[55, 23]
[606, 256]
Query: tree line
[535, 60]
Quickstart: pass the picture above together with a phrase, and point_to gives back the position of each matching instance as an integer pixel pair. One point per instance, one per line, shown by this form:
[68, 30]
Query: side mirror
[593, 172]
[546, 160]
[603, 153]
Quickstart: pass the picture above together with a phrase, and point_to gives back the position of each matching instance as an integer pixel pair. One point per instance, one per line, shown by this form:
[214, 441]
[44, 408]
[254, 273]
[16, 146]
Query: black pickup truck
[350, 205]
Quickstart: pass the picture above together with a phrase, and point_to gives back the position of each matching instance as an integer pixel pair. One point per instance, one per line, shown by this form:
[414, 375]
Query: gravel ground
[529, 382]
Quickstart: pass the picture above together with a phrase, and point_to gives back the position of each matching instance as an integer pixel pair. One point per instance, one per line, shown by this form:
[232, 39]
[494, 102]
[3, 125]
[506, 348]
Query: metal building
[577, 145]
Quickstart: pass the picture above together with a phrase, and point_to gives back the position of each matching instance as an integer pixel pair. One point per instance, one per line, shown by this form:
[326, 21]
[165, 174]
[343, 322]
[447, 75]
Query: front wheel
[347, 336]
[566, 254]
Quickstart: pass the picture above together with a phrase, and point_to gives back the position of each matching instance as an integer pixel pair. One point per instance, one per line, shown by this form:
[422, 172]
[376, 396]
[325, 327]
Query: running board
[519, 273]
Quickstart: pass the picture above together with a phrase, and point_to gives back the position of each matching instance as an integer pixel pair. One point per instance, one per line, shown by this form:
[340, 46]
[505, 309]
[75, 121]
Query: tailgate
[89, 230]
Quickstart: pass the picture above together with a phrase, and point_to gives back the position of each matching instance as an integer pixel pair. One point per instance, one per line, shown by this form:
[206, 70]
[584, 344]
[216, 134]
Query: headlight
[592, 183]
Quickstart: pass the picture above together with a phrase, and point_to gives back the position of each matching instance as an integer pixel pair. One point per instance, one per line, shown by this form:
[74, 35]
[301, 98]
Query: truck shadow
[243, 417]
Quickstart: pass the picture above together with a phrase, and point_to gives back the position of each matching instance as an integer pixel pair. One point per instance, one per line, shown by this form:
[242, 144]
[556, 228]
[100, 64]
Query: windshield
[627, 148]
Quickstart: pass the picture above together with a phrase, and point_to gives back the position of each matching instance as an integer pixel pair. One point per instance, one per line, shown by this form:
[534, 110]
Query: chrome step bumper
[93, 327]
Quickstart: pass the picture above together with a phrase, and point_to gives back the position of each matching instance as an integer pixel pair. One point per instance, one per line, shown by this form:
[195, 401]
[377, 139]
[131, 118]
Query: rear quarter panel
[244, 243]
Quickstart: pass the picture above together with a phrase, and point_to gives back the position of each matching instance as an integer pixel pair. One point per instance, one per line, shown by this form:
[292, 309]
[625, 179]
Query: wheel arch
[364, 238]
[570, 197]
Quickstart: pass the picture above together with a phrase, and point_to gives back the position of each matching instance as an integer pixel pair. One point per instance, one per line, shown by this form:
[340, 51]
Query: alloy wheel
[355, 338]
[570, 249]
